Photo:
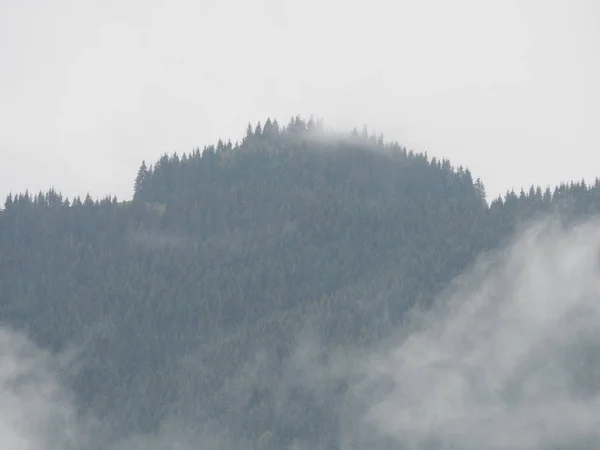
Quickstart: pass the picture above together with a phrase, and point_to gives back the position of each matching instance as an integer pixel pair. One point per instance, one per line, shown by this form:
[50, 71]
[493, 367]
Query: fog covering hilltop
[301, 289]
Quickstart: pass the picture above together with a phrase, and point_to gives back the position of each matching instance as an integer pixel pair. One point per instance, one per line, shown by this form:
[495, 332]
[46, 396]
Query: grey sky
[89, 89]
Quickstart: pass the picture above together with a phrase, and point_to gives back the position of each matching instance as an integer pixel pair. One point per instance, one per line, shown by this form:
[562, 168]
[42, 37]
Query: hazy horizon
[91, 89]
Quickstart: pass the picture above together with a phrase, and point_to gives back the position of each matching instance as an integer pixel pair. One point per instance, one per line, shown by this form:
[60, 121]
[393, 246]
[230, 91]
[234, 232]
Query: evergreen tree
[9, 201]
[141, 177]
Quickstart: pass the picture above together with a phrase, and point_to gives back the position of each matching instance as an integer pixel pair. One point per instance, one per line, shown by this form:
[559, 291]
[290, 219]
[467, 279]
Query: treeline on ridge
[237, 250]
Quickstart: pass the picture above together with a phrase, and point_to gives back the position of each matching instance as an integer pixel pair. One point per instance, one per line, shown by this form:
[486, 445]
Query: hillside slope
[228, 261]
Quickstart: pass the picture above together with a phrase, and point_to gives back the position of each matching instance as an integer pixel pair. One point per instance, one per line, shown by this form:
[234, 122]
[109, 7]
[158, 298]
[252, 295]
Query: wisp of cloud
[36, 413]
[509, 357]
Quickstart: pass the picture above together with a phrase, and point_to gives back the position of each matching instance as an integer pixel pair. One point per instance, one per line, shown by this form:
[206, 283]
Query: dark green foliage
[192, 300]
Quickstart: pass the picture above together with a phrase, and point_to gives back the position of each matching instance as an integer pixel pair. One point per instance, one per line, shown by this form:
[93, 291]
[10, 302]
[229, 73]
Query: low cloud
[36, 413]
[509, 358]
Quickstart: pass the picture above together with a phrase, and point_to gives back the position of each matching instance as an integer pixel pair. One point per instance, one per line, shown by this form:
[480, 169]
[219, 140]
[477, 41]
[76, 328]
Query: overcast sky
[90, 88]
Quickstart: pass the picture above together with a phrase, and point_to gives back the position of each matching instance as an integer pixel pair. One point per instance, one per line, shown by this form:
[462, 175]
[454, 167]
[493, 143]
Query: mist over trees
[236, 266]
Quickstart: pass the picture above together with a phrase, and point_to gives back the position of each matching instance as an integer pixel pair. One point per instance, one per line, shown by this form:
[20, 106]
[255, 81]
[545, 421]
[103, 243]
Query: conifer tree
[9, 201]
[140, 179]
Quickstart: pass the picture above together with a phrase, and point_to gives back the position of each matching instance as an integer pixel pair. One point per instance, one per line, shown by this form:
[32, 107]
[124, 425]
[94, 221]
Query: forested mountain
[191, 302]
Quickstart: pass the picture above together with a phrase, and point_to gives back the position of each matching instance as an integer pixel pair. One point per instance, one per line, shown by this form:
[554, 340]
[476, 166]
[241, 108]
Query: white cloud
[509, 357]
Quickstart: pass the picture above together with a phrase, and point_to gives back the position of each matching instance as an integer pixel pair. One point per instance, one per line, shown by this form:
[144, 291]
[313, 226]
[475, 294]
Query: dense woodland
[190, 303]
